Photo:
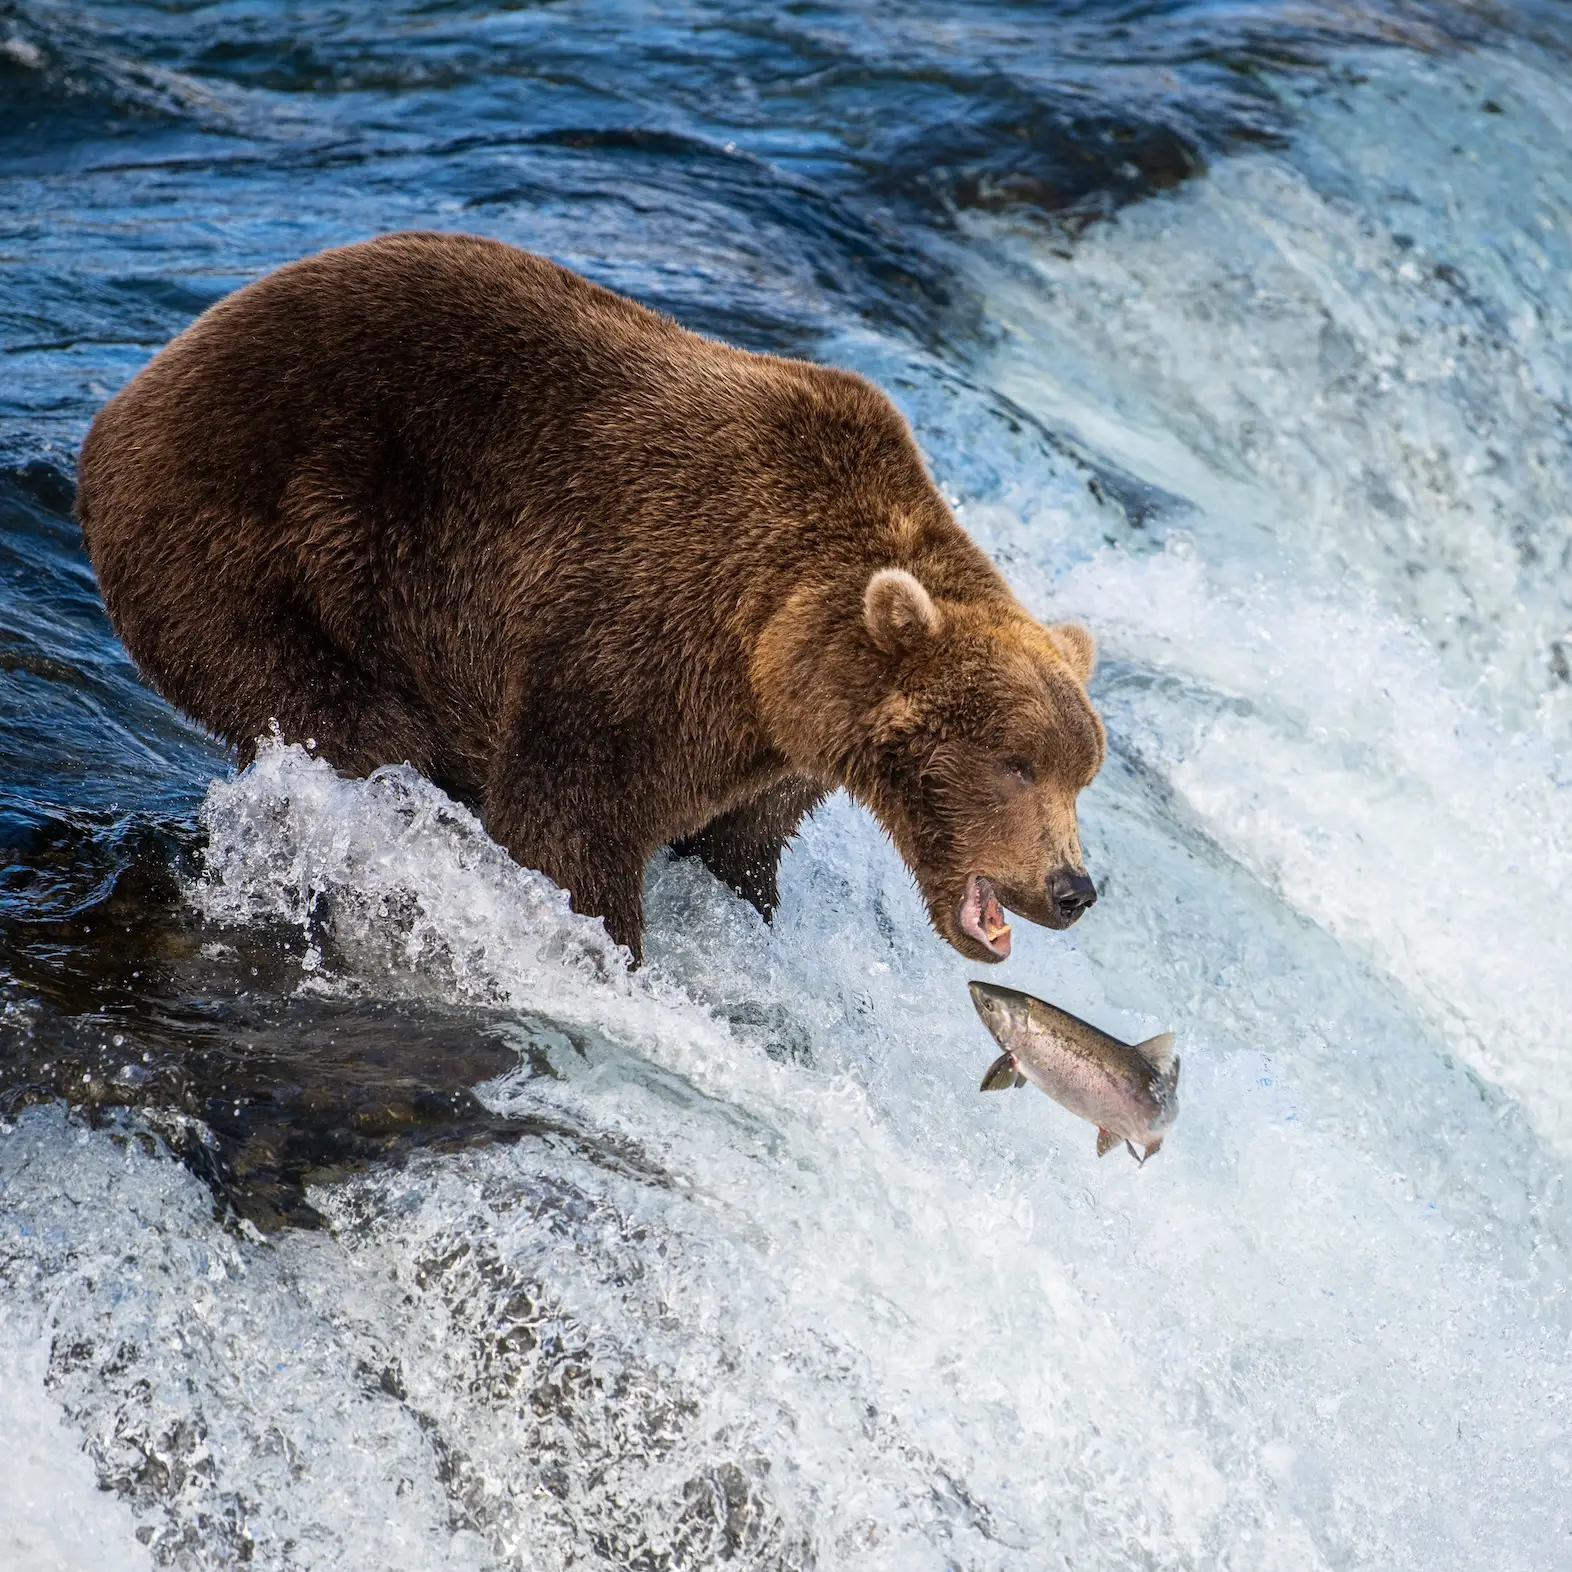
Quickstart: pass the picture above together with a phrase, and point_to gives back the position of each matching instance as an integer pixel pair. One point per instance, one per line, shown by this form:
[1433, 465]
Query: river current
[360, 1209]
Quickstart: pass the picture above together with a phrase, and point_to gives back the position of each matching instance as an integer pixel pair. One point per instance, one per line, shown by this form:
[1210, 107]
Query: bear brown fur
[435, 499]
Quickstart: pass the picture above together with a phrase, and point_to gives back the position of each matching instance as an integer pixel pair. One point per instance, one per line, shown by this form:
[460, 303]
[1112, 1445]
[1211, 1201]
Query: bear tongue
[982, 917]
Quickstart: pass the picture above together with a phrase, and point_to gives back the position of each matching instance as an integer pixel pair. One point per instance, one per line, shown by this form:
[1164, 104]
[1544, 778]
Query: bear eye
[1021, 768]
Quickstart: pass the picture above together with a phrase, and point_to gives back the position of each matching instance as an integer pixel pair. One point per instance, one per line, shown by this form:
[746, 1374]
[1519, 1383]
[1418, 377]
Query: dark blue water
[355, 1207]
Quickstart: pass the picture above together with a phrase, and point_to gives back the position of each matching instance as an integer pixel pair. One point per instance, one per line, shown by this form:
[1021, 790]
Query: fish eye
[1022, 768]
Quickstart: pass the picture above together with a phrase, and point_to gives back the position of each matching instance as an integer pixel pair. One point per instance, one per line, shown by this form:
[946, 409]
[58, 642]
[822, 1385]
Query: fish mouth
[979, 916]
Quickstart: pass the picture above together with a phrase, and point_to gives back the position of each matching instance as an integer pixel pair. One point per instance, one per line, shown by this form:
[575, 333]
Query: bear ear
[899, 613]
[1076, 645]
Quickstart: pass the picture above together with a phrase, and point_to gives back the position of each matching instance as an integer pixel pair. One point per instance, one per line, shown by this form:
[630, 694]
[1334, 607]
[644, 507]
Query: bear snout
[1070, 892]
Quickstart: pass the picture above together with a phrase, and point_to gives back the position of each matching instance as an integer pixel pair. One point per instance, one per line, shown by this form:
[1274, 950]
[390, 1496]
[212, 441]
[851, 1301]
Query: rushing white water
[53, 1517]
[778, 1286]
[1363, 394]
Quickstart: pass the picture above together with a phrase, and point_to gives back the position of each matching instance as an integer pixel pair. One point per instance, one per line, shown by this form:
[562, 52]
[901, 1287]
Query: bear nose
[1071, 893]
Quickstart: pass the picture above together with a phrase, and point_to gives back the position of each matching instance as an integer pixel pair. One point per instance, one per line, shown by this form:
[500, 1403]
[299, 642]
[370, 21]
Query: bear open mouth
[982, 917]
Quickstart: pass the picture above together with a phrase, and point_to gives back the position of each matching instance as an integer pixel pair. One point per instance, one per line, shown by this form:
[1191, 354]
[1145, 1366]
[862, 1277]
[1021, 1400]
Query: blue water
[358, 1209]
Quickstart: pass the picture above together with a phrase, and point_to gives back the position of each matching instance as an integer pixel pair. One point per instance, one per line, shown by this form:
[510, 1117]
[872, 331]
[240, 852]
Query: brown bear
[435, 499]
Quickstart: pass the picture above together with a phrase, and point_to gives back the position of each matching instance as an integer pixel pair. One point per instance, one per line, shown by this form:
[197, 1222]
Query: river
[360, 1209]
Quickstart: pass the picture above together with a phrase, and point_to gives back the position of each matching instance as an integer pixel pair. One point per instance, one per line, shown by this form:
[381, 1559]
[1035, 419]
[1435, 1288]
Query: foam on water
[776, 1286]
[53, 1516]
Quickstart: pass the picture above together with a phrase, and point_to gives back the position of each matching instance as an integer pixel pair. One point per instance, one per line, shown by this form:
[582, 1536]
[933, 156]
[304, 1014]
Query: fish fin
[1106, 1142]
[1140, 1157]
[1020, 1080]
[1001, 1074]
[1158, 1051]
[1171, 1078]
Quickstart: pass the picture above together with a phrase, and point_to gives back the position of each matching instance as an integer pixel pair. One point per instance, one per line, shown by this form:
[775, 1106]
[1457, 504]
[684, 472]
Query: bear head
[974, 752]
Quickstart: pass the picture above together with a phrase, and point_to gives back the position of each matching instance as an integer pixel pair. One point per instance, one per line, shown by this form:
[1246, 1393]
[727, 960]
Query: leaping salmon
[1129, 1093]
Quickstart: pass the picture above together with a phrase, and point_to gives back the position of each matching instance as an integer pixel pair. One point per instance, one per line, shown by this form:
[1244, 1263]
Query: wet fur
[436, 499]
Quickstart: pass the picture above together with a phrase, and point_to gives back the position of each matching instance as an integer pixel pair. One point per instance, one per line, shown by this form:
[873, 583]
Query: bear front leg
[580, 839]
[608, 883]
[743, 848]
[603, 877]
